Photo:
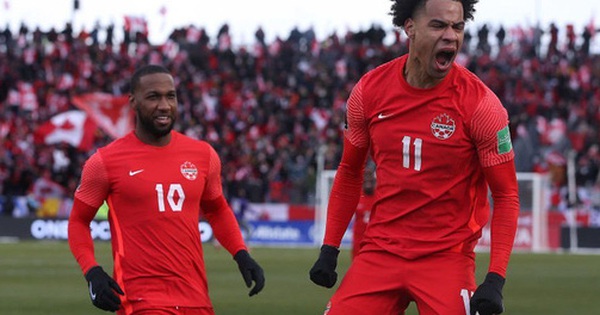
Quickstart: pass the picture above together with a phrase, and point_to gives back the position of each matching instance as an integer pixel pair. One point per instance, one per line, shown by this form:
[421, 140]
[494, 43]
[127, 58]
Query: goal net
[532, 230]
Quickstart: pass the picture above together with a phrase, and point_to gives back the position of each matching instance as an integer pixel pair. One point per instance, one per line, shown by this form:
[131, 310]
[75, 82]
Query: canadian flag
[111, 113]
[73, 127]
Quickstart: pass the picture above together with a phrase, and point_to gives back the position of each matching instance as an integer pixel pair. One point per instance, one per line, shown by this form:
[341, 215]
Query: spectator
[254, 103]
[500, 36]
[45, 189]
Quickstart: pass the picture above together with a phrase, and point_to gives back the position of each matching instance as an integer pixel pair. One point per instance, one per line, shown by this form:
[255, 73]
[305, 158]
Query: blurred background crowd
[274, 111]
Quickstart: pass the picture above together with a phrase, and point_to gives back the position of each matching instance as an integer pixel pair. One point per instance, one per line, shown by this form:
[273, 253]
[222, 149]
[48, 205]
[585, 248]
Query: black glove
[323, 271]
[250, 271]
[102, 289]
[487, 299]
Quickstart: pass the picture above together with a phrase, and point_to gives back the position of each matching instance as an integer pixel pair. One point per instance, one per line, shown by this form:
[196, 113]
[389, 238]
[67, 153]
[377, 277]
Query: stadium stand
[269, 106]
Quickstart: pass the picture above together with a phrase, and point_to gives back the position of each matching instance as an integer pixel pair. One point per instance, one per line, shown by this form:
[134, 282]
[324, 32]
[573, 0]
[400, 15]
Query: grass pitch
[42, 278]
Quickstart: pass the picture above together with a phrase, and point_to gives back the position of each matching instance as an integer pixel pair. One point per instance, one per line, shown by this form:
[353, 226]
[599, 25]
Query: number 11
[418, 144]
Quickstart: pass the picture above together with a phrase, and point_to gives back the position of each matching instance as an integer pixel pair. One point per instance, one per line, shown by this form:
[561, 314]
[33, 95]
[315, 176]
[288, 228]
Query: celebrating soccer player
[439, 138]
[155, 181]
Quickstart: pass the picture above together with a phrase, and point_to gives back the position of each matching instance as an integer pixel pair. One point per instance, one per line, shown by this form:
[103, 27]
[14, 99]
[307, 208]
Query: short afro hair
[143, 71]
[404, 9]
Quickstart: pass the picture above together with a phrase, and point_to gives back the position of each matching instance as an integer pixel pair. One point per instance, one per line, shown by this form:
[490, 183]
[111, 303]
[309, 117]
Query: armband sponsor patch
[504, 143]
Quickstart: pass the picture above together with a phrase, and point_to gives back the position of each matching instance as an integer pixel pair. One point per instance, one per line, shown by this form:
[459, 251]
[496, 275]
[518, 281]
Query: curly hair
[404, 9]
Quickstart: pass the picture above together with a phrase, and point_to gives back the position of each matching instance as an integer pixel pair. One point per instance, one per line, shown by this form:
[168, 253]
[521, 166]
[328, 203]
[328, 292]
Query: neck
[416, 76]
[152, 140]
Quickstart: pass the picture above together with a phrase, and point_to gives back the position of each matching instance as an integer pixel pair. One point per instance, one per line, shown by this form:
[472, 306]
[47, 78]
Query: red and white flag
[136, 24]
[111, 113]
[73, 127]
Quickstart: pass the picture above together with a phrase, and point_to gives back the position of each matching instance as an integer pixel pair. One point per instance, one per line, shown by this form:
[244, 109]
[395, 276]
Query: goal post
[532, 229]
[324, 185]
[533, 197]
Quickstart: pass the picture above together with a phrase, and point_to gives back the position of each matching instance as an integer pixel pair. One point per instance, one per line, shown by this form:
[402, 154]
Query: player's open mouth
[444, 59]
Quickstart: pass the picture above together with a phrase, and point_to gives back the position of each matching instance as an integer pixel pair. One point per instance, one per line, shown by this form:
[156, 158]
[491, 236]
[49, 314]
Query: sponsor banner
[301, 212]
[270, 232]
[42, 229]
[275, 233]
[274, 211]
[290, 233]
[523, 236]
[266, 212]
[583, 237]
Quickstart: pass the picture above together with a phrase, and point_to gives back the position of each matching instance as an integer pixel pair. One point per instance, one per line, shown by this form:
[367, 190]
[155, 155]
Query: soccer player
[156, 182]
[439, 138]
[363, 211]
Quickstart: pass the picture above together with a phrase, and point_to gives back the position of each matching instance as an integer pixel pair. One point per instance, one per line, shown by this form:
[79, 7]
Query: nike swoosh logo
[133, 173]
[382, 116]
[92, 294]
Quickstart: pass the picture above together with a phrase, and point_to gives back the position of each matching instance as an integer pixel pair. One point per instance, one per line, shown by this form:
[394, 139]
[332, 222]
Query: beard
[147, 123]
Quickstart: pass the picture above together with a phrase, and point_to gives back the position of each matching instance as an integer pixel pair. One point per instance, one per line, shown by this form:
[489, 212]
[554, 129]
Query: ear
[409, 28]
[131, 101]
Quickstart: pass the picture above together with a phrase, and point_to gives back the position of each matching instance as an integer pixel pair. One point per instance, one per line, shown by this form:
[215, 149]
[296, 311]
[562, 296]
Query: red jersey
[430, 147]
[361, 219]
[154, 196]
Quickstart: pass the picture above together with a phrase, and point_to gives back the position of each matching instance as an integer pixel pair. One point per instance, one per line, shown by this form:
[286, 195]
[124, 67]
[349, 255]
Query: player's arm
[502, 180]
[492, 137]
[89, 196]
[80, 238]
[346, 190]
[494, 148]
[218, 212]
[348, 181]
[345, 193]
[225, 226]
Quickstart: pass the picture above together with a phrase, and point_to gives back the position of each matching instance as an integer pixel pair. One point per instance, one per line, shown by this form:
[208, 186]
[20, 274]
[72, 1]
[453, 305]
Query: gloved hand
[250, 271]
[323, 271]
[102, 289]
[487, 299]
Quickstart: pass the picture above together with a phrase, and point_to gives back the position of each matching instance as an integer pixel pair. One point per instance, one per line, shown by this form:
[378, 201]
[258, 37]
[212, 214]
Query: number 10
[173, 188]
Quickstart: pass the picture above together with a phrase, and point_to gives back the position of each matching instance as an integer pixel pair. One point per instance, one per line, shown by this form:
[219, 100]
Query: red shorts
[165, 310]
[381, 283]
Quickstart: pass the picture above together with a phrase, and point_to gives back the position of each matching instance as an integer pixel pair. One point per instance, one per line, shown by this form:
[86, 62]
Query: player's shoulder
[466, 78]
[201, 149]
[474, 91]
[187, 141]
[384, 70]
[118, 144]
[377, 81]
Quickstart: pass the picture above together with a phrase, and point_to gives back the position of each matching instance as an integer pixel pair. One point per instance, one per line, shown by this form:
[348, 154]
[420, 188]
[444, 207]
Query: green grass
[43, 278]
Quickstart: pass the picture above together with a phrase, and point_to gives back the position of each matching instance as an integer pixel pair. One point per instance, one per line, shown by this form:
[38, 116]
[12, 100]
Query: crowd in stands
[273, 109]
